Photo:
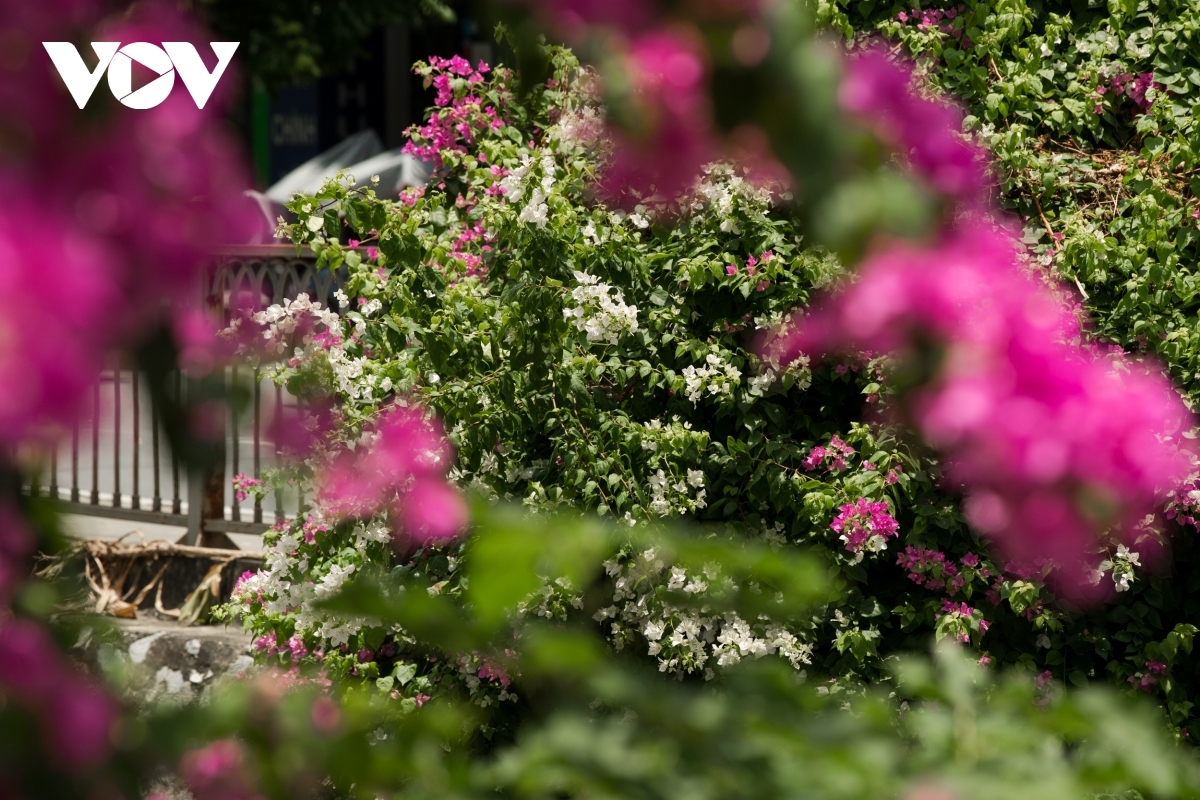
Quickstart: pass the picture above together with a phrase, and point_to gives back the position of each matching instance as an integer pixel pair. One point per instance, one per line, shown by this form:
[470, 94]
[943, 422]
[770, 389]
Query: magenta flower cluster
[927, 132]
[832, 457]
[75, 714]
[934, 570]
[243, 484]
[1184, 507]
[217, 772]
[463, 112]
[1144, 680]
[1051, 445]
[936, 19]
[665, 82]
[966, 612]
[1133, 87]
[676, 136]
[574, 18]
[471, 237]
[109, 215]
[865, 525]
[752, 266]
[491, 672]
[403, 472]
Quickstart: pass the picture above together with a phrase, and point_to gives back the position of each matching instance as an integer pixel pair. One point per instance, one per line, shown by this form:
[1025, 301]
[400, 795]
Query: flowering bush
[588, 356]
[509, 243]
[594, 719]
[578, 354]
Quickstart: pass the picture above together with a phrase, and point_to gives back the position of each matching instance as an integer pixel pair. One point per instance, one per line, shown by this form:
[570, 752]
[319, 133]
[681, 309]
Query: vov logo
[165, 61]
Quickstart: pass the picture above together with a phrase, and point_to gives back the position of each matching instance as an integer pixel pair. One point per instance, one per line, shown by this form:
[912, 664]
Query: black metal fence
[116, 463]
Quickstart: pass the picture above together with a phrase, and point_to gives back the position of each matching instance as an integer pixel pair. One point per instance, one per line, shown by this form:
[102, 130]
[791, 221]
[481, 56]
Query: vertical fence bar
[195, 515]
[195, 493]
[136, 501]
[235, 506]
[257, 441]
[95, 498]
[176, 501]
[75, 461]
[214, 481]
[156, 503]
[35, 479]
[54, 470]
[279, 426]
[116, 498]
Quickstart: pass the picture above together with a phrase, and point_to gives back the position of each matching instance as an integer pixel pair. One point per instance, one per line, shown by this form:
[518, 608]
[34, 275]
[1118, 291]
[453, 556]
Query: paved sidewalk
[85, 527]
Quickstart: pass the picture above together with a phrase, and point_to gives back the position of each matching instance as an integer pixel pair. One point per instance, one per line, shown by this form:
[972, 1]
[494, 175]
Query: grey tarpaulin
[361, 156]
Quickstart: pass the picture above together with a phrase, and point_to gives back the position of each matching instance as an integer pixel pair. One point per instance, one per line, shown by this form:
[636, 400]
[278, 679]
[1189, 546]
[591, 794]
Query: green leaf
[404, 673]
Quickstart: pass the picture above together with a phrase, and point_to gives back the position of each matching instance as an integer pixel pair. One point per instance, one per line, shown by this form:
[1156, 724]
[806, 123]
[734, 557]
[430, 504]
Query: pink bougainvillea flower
[1049, 444]
[201, 349]
[491, 672]
[77, 716]
[433, 511]
[112, 221]
[461, 116]
[1053, 445]
[297, 431]
[668, 76]
[243, 485]
[403, 471]
[81, 717]
[326, 715]
[865, 525]
[573, 18]
[217, 772]
[30, 666]
[880, 90]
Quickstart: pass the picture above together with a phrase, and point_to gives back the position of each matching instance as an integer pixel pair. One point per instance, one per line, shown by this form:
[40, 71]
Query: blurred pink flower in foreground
[217, 772]
[676, 136]
[1053, 446]
[574, 17]
[110, 216]
[927, 131]
[111, 212]
[77, 716]
[669, 132]
[403, 471]
[1050, 445]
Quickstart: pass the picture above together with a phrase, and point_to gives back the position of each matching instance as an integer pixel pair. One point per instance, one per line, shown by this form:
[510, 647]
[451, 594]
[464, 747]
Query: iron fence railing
[117, 464]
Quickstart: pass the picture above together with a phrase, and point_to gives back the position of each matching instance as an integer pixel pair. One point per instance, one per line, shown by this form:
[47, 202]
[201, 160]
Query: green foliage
[601, 725]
